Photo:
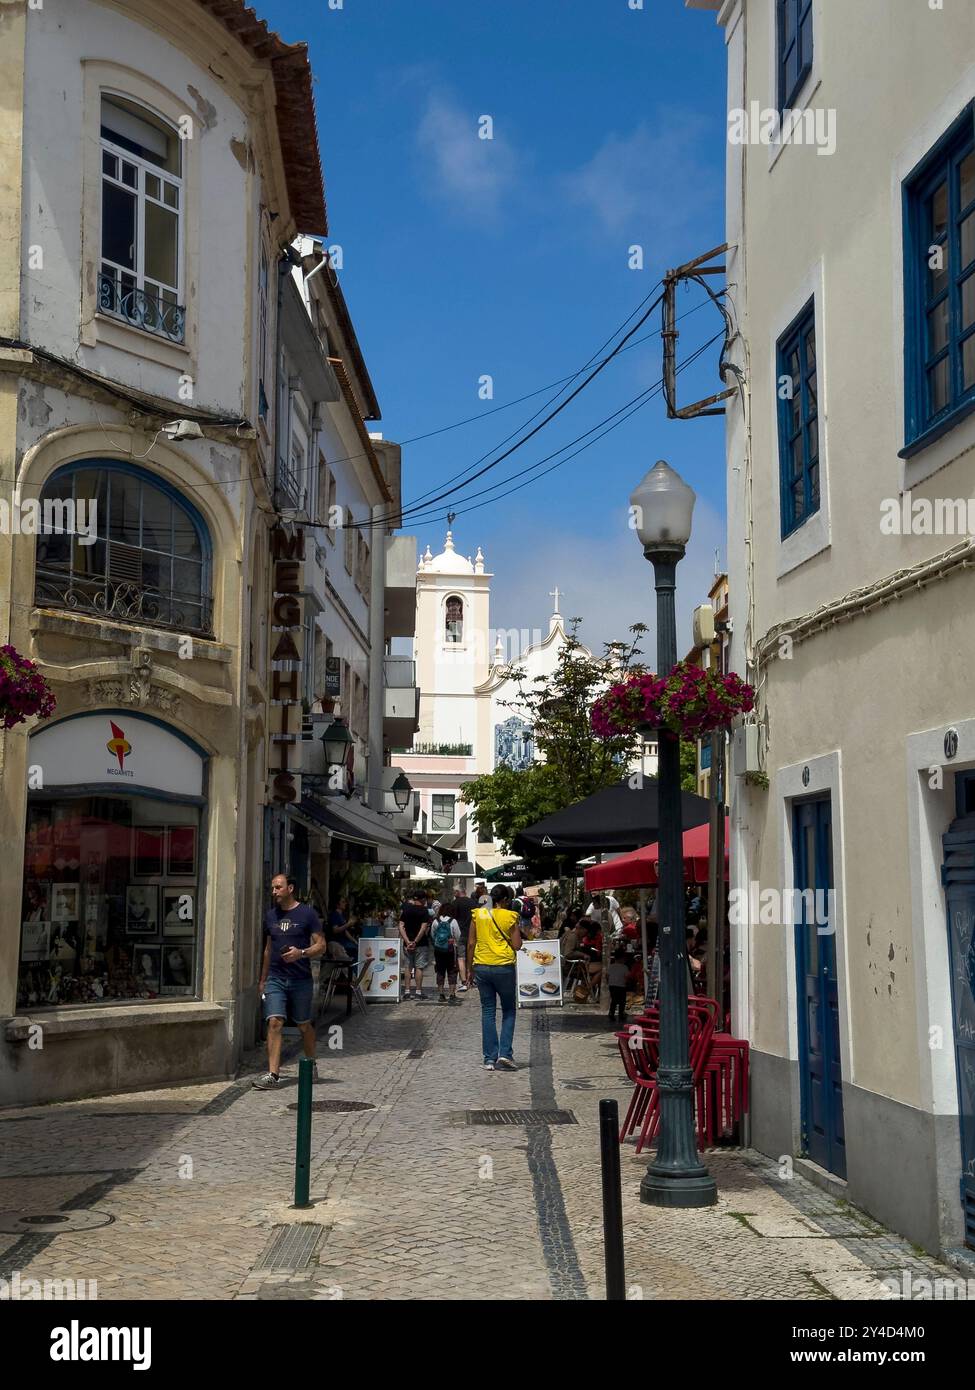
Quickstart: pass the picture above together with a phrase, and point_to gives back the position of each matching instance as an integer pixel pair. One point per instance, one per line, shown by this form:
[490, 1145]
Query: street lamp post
[662, 507]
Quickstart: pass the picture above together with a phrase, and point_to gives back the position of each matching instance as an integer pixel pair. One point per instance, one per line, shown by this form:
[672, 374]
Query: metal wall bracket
[691, 270]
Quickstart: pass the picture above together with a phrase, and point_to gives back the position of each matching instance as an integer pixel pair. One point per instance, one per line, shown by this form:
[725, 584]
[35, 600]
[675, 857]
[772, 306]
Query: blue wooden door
[958, 876]
[820, 1070]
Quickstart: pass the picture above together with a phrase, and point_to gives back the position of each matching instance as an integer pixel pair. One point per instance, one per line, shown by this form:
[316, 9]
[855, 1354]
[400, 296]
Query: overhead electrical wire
[561, 384]
[402, 513]
[648, 391]
[631, 407]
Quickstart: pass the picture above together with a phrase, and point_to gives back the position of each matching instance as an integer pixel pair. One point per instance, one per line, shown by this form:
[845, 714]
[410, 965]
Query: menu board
[380, 956]
[540, 973]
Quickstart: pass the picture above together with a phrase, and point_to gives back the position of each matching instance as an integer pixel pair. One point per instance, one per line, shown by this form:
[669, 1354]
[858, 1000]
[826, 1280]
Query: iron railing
[443, 750]
[142, 308]
[132, 602]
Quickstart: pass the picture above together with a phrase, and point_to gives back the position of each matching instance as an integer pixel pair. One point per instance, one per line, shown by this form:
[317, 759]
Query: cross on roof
[556, 593]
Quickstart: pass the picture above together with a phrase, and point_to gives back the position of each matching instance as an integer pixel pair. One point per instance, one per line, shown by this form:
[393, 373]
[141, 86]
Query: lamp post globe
[336, 739]
[402, 790]
[662, 508]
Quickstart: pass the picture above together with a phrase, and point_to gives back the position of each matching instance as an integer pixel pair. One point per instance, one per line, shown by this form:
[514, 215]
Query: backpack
[442, 935]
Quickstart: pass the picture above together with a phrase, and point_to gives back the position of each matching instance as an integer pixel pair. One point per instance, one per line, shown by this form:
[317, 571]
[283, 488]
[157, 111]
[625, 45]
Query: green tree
[576, 763]
[506, 800]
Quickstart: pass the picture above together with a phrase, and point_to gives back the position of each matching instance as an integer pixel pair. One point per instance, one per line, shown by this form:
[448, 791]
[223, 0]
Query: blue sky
[508, 257]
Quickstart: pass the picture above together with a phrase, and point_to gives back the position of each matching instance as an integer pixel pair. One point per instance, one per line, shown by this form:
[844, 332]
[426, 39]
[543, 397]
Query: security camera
[182, 429]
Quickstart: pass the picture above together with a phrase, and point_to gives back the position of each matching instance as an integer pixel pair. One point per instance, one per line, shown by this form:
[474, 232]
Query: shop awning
[351, 821]
[642, 868]
[425, 855]
[411, 852]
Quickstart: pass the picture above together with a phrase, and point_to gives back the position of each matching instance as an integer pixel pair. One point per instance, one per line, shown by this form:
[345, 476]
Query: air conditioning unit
[745, 751]
[703, 626]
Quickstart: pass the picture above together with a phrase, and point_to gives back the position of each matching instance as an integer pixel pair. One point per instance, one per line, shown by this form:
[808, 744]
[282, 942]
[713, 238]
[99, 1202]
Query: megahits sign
[287, 637]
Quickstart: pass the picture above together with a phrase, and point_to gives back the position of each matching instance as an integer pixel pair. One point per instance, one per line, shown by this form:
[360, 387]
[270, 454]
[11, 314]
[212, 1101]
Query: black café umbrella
[611, 821]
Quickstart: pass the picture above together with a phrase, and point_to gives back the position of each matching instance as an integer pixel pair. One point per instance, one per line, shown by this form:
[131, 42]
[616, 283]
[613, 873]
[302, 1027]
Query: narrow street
[181, 1193]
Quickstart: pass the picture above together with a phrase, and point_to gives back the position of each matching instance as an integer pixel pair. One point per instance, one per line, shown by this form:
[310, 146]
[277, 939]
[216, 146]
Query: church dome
[448, 561]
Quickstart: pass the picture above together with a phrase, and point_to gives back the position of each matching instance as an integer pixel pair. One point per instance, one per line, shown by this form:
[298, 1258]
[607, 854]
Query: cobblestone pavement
[409, 1200]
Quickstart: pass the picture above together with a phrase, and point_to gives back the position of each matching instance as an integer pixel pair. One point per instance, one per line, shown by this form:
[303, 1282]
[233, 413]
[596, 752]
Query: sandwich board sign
[539, 974]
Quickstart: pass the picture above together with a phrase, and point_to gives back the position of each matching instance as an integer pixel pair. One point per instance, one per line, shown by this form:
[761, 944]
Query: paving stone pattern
[412, 1201]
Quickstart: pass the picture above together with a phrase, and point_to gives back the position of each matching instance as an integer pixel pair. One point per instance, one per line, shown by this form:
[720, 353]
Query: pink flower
[23, 690]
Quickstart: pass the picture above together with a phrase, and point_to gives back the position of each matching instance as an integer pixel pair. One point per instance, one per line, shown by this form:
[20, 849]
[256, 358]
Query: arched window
[140, 277]
[454, 625]
[116, 540]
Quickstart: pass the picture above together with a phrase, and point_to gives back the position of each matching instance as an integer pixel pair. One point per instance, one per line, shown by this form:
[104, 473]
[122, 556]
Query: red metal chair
[640, 1052]
[719, 1067]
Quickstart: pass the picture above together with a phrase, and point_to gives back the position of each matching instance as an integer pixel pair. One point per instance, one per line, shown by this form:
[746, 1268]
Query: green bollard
[306, 1068]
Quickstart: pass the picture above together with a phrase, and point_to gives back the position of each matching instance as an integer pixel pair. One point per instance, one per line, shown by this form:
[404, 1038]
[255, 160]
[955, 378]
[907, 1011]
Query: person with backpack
[491, 948]
[445, 937]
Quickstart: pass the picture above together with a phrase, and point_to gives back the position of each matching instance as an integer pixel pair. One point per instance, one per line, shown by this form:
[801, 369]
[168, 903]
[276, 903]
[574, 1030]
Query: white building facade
[851, 275]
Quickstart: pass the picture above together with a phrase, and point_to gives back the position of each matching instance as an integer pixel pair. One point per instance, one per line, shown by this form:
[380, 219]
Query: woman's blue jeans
[497, 983]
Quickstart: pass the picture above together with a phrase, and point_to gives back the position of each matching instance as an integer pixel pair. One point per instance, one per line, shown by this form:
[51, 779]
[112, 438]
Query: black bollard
[609, 1148]
[306, 1069]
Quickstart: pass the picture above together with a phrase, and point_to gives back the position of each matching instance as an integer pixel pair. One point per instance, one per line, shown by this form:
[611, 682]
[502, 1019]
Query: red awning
[639, 869]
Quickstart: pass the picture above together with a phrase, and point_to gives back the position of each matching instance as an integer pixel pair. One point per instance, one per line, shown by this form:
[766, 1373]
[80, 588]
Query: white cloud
[651, 186]
[606, 580]
[473, 173]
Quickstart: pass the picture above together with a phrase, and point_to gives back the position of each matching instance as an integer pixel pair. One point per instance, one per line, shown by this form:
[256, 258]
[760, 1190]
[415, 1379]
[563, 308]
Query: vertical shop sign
[287, 635]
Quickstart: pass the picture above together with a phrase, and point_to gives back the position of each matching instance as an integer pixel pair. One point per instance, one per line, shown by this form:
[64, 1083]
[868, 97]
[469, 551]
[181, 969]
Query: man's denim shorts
[420, 958]
[286, 999]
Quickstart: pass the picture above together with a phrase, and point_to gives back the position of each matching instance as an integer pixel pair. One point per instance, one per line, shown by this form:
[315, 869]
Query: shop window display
[111, 892]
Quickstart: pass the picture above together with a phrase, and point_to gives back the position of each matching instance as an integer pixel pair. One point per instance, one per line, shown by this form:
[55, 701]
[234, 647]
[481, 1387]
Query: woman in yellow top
[491, 945]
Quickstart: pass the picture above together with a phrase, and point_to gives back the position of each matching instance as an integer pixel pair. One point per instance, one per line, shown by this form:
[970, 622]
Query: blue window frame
[939, 284]
[794, 47]
[798, 395]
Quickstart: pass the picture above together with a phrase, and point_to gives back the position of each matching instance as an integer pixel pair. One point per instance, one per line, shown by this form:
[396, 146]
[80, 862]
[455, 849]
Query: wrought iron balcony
[142, 308]
[123, 599]
[444, 750]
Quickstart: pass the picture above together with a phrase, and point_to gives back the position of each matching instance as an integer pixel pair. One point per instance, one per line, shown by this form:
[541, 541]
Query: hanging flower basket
[23, 690]
[629, 706]
[690, 702]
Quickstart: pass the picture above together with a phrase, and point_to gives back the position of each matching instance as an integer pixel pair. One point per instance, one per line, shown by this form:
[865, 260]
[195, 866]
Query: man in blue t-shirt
[292, 938]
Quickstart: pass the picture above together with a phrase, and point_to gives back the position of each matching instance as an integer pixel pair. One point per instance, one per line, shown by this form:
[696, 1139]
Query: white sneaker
[267, 1082]
[507, 1064]
[461, 989]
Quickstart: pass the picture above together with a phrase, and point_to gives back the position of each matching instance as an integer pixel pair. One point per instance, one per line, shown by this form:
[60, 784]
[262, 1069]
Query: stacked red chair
[719, 1070]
